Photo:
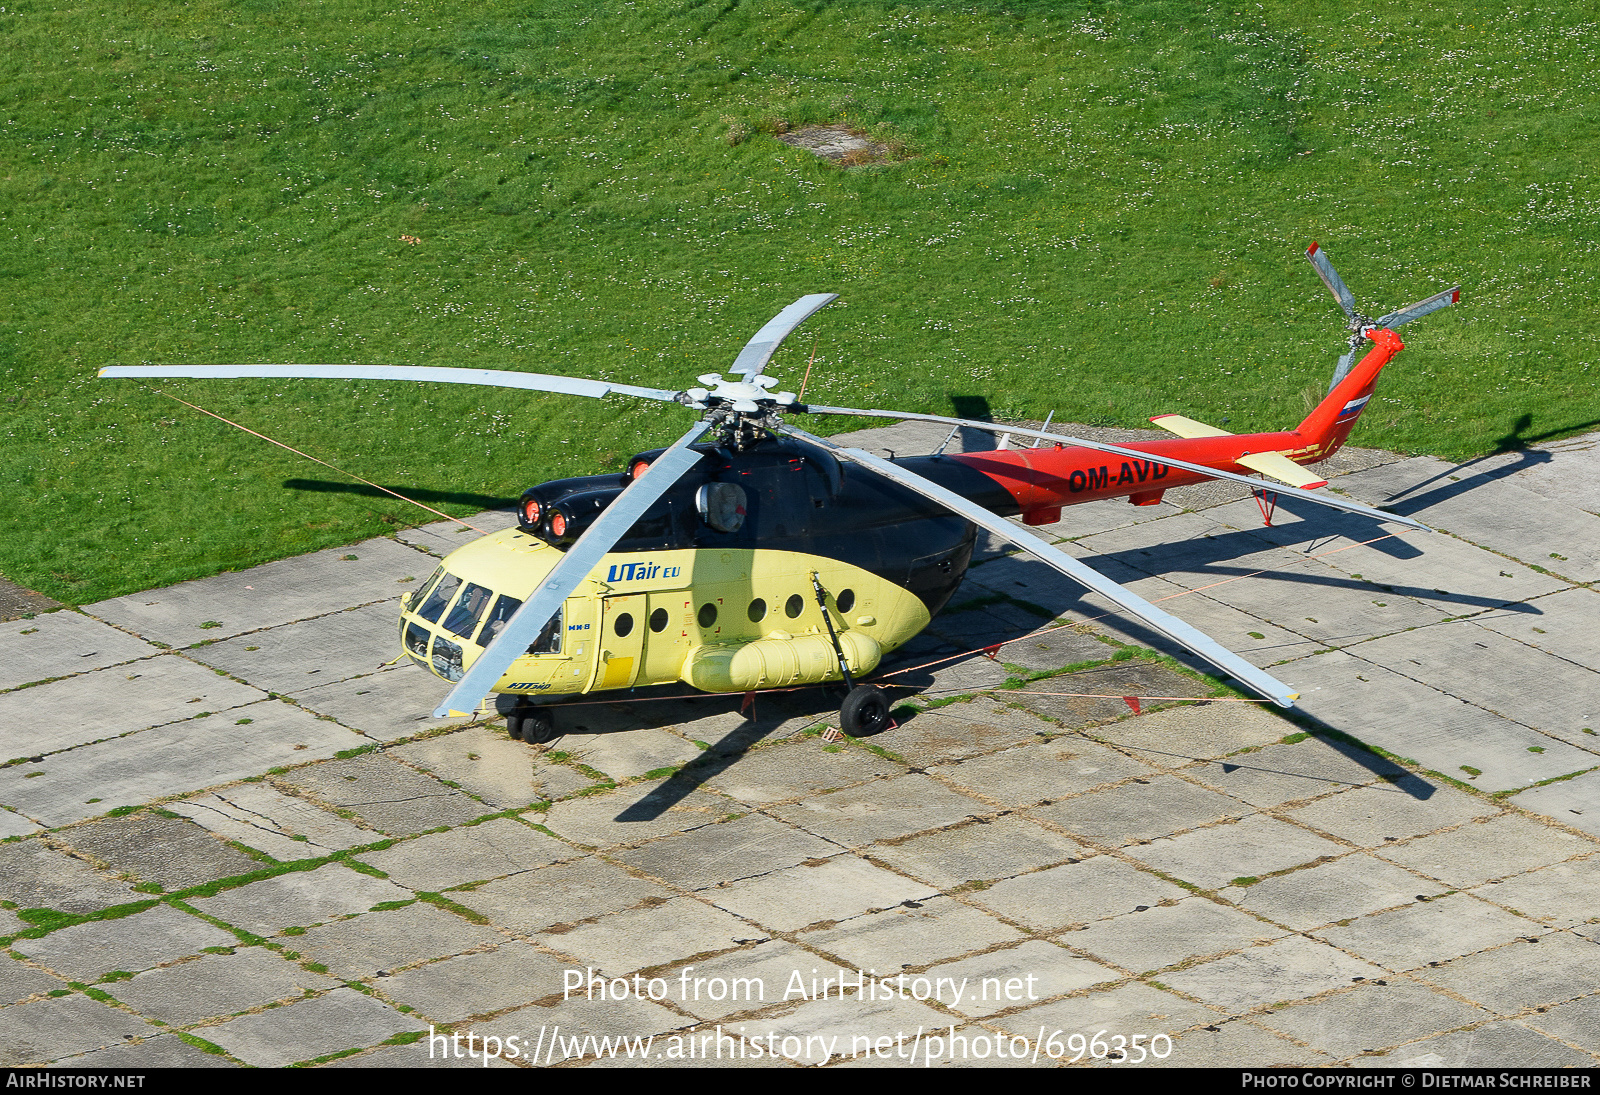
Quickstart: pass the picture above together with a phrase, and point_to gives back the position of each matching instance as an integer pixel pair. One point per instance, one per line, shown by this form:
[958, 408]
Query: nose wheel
[865, 712]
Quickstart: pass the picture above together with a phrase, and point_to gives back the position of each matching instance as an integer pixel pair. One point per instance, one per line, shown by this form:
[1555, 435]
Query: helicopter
[751, 554]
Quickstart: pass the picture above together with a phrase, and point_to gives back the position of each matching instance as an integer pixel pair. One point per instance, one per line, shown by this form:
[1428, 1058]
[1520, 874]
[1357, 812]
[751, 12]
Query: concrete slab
[1030, 774]
[1278, 774]
[1165, 935]
[983, 851]
[511, 975]
[1577, 1022]
[1383, 813]
[563, 894]
[440, 538]
[1492, 671]
[1420, 723]
[1371, 1017]
[472, 853]
[1283, 970]
[727, 852]
[485, 763]
[166, 1051]
[1432, 932]
[1492, 513]
[374, 944]
[42, 1031]
[630, 753]
[1536, 971]
[1018, 976]
[168, 760]
[299, 898]
[387, 705]
[1488, 1046]
[34, 875]
[1128, 1010]
[1561, 624]
[788, 772]
[1095, 696]
[535, 1028]
[342, 1019]
[1076, 893]
[911, 936]
[217, 984]
[269, 595]
[1342, 890]
[827, 890]
[386, 794]
[1139, 811]
[1178, 735]
[961, 730]
[651, 936]
[63, 644]
[1218, 854]
[84, 952]
[108, 702]
[640, 811]
[260, 816]
[14, 824]
[1488, 848]
[296, 657]
[884, 810]
[1225, 1045]
[18, 981]
[170, 852]
[1562, 896]
[751, 978]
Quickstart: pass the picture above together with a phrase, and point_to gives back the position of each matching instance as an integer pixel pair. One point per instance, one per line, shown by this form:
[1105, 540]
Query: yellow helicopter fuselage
[718, 619]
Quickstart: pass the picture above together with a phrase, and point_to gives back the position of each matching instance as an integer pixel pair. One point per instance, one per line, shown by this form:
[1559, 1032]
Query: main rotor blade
[1192, 639]
[759, 350]
[1330, 277]
[495, 378]
[581, 558]
[1136, 454]
[1421, 308]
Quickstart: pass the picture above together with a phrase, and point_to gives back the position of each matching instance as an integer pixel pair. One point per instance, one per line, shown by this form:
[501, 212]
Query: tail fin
[1330, 423]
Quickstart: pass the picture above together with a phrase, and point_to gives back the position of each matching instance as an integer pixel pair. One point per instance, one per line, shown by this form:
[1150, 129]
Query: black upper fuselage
[798, 497]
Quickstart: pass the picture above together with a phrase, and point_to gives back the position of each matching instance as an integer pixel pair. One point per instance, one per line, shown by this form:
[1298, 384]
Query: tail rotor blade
[1421, 308]
[1330, 277]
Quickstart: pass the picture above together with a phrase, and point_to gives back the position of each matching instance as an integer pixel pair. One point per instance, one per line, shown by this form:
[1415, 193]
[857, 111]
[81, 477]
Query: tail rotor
[1358, 324]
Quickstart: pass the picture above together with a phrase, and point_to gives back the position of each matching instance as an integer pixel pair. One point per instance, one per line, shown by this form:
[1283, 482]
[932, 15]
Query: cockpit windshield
[462, 620]
[442, 594]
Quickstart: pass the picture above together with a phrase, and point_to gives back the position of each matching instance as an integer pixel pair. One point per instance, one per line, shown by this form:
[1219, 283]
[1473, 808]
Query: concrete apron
[1034, 873]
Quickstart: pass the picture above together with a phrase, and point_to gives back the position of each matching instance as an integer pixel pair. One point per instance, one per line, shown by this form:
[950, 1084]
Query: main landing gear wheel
[864, 712]
[534, 725]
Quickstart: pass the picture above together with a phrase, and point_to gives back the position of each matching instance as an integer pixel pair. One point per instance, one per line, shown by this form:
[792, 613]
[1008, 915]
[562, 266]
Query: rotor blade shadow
[479, 502]
[728, 750]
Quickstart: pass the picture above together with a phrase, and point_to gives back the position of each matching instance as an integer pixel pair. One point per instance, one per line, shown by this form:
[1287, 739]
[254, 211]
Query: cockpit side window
[463, 617]
[442, 594]
[499, 616]
[549, 640]
[421, 593]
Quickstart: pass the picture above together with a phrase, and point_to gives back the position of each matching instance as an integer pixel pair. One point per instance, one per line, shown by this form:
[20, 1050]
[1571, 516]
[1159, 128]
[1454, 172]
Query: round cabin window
[758, 610]
[794, 606]
[658, 620]
[846, 600]
[623, 624]
[708, 614]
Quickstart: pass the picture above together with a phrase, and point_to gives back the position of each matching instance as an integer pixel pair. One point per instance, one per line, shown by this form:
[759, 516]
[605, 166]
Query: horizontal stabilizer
[1281, 468]
[1187, 427]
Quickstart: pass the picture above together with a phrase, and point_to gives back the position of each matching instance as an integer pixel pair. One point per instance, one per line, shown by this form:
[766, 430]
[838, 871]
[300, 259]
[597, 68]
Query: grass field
[1094, 210]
